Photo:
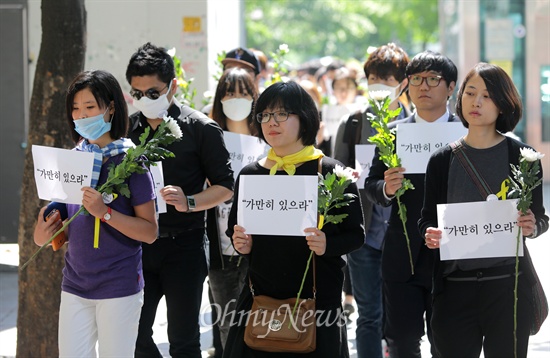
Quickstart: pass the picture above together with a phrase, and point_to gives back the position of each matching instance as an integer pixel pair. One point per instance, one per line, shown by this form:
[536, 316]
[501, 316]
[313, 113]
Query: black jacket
[437, 175]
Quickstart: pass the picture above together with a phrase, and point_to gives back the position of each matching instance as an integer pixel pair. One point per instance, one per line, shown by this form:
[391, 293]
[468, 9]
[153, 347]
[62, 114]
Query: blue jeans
[366, 278]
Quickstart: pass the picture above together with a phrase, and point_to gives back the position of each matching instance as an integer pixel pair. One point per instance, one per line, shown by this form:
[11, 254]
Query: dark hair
[503, 94]
[293, 98]
[344, 74]
[151, 60]
[387, 60]
[105, 89]
[433, 61]
[228, 82]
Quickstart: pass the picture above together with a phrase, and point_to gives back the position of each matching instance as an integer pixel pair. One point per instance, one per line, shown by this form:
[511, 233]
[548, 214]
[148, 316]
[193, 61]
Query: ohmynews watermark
[272, 319]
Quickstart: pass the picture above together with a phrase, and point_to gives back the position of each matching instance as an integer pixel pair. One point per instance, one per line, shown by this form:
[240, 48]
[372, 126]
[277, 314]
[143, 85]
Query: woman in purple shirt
[102, 288]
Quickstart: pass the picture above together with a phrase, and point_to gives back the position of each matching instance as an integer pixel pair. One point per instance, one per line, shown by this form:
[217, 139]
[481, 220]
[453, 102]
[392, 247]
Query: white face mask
[237, 109]
[154, 108]
[394, 91]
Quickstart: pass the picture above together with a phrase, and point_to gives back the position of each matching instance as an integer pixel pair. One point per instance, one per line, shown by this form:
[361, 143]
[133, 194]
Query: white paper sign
[417, 141]
[243, 150]
[363, 160]
[158, 181]
[478, 230]
[61, 173]
[277, 204]
[332, 114]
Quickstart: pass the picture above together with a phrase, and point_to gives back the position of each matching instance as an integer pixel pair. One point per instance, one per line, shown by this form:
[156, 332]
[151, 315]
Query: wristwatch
[107, 215]
[191, 205]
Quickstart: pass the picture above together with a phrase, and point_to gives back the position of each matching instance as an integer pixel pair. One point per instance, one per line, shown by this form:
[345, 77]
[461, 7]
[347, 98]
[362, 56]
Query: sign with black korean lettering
[277, 204]
[61, 173]
[478, 229]
[417, 141]
[363, 160]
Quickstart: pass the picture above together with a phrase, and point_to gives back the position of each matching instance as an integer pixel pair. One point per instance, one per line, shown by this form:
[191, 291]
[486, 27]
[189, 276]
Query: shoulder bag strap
[482, 186]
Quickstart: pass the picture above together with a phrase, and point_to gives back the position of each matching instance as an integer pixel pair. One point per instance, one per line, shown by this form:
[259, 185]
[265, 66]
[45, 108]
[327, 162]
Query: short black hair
[228, 82]
[105, 89]
[503, 93]
[387, 60]
[151, 60]
[294, 99]
[433, 61]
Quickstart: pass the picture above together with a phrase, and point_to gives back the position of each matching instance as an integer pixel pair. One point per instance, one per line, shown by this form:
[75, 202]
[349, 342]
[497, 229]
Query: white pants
[112, 323]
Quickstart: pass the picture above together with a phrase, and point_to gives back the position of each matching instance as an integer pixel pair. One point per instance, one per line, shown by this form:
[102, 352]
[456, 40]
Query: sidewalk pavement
[539, 345]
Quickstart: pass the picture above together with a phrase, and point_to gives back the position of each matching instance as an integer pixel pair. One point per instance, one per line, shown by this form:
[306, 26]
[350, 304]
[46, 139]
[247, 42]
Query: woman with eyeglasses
[235, 96]
[288, 120]
[102, 288]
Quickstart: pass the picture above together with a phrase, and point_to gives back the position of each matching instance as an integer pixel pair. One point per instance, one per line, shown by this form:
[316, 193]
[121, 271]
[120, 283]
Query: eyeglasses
[431, 81]
[151, 93]
[278, 116]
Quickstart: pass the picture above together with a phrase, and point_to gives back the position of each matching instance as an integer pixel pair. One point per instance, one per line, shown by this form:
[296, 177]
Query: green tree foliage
[343, 29]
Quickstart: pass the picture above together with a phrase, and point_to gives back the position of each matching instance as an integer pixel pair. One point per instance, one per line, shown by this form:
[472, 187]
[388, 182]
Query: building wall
[198, 29]
[461, 32]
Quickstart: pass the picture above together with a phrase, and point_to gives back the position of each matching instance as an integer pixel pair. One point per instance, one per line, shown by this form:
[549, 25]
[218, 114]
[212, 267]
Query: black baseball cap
[242, 57]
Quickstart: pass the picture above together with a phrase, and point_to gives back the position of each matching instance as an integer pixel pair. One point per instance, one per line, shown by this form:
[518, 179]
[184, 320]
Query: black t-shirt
[199, 155]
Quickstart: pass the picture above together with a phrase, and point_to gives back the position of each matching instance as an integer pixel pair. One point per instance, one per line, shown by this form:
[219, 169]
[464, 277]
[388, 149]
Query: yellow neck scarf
[288, 163]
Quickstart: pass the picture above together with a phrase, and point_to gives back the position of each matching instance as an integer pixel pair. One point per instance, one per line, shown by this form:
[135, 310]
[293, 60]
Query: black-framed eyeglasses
[151, 93]
[280, 116]
[431, 81]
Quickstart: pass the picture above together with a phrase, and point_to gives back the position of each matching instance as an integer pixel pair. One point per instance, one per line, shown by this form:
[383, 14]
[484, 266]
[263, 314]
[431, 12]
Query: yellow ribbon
[502, 194]
[96, 233]
[96, 226]
[288, 163]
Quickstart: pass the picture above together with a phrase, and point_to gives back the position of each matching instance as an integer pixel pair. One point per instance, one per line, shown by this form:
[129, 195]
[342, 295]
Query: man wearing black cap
[244, 58]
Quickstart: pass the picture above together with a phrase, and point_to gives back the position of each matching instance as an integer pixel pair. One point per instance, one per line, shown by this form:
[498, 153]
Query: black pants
[470, 315]
[406, 304]
[174, 267]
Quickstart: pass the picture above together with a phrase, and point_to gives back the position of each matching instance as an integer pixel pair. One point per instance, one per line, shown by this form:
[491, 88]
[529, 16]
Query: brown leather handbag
[271, 326]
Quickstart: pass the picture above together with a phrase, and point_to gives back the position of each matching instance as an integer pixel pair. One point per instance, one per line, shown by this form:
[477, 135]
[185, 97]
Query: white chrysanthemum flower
[530, 155]
[172, 52]
[379, 95]
[283, 48]
[347, 173]
[173, 127]
[208, 94]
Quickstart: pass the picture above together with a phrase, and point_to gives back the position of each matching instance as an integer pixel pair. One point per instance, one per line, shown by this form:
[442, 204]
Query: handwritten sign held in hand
[417, 141]
[277, 204]
[61, 173]
[479, 229]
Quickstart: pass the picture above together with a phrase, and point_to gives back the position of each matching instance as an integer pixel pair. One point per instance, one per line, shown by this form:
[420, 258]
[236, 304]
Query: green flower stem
[301, 287]
[403, 222]
[516, 295]
[51, 238]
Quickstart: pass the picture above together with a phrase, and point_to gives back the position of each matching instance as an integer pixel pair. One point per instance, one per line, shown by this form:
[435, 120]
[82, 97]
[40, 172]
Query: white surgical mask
[154, 108]
[237, 109]
[394, 91]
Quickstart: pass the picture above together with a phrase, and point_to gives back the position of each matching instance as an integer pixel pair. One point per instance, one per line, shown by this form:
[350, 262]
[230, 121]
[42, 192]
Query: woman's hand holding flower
[241, 241]
[316, 240]
[45, 229]
[433, 237]
[174, 195]
[527, 223]
[93, 202]
[393, 178]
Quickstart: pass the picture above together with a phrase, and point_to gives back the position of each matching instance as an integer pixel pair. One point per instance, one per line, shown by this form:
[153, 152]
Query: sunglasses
[151, 93]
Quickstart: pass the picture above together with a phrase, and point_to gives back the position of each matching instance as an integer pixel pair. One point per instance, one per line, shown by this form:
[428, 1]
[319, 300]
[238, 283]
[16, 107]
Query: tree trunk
[61, 57]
